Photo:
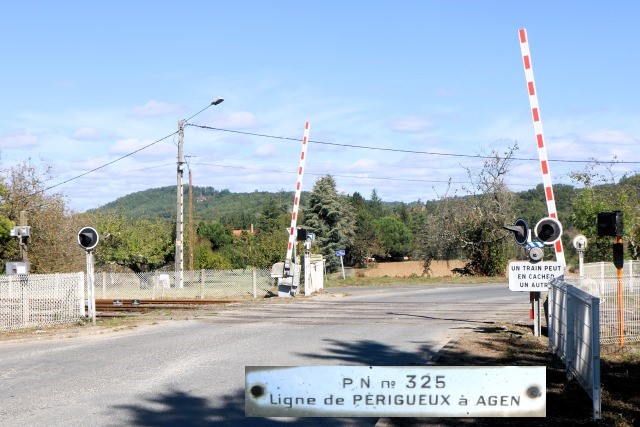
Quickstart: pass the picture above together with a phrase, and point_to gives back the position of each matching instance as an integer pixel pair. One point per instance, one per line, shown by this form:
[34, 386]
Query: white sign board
[395, 391]
[528, 277]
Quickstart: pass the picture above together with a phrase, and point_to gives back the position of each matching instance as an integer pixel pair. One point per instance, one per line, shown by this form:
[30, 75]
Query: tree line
[464, 225]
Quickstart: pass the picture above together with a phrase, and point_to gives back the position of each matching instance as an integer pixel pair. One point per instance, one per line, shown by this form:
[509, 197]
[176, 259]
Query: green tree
[273, 216]
[376, 206]
[141, 245]
[216, 233]
[404, 214]
[331, 218]
[471, 226]
[206, 258]
[365, 243]
[268, 248]
[601, 194]
[483, 214]
[396, 237]
[436, 230]
[52, 245]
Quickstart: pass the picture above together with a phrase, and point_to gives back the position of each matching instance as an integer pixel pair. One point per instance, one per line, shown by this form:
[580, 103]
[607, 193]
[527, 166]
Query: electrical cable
[104, 165]
[397, 150]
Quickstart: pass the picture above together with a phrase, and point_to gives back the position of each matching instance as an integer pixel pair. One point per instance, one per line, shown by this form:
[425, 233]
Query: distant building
[239, 232]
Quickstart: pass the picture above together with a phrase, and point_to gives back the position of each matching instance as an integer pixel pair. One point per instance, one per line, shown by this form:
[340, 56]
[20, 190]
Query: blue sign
[340, 252]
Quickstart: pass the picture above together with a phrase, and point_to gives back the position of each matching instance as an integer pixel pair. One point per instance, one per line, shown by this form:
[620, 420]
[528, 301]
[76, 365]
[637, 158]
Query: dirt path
[567, 403]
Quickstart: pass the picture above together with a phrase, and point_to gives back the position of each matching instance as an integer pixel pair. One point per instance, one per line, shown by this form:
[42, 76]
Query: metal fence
[200, 284]
[574, 335]
[619, 299]
[619, 306]
[40, 300]
[630, 269]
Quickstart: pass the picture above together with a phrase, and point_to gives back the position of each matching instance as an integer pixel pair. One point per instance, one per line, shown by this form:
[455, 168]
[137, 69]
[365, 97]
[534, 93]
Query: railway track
[142, 305]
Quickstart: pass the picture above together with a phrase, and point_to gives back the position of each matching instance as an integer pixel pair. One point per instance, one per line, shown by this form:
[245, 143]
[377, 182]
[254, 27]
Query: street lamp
[179, 267]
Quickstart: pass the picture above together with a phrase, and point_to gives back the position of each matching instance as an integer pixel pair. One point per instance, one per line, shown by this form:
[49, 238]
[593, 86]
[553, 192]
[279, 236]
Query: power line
[104, 165]
[397, 150]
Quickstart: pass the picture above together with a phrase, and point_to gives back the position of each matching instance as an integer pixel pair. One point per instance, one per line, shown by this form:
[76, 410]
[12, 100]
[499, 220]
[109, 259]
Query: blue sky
[84, 84]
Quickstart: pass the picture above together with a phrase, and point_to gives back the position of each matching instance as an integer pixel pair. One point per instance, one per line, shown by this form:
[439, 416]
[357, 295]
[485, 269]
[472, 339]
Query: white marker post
[341, 253]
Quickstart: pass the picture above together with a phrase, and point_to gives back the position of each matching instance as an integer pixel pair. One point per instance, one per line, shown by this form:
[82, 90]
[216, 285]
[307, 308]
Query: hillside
[241, 209]
[237, 209]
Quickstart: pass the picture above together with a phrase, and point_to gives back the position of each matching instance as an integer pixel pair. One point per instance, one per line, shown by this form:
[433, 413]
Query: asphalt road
[191, 372]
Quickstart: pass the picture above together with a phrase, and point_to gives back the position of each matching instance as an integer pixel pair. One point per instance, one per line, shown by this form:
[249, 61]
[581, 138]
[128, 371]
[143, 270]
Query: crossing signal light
[301, 234]
[548, 230]
[610, 224]
[520, 230]
[88, 238]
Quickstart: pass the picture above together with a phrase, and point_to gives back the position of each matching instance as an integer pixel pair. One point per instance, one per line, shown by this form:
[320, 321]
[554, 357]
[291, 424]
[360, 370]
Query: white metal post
[581, 262]
[90, 287]
[179, 268]
[255, 285]
[595, 358]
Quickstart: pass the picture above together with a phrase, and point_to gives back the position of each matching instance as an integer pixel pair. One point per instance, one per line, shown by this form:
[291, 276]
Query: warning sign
[528, 277]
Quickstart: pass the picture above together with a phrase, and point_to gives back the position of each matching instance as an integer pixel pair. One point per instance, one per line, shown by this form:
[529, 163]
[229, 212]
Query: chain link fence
[28, 301]
[199, 284]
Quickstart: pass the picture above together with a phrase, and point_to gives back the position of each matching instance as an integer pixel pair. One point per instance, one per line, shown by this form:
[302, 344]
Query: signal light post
[88, 239]
[521, 274]
[612, 224]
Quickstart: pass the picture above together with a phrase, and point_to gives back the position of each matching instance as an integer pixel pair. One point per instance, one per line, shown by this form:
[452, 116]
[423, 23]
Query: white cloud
[18, 140]
[236, 120]
[155, 108]
[609, 137]
[365, 165]
[411, 124]
[86, 134]
[266, 150]
[126, 146]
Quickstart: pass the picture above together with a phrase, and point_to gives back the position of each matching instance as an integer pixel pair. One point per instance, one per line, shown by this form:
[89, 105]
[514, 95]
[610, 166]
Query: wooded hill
[240, 210]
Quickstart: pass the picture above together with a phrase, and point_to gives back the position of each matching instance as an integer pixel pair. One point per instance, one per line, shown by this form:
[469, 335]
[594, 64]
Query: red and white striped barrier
[296, 198]
[537, 126]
